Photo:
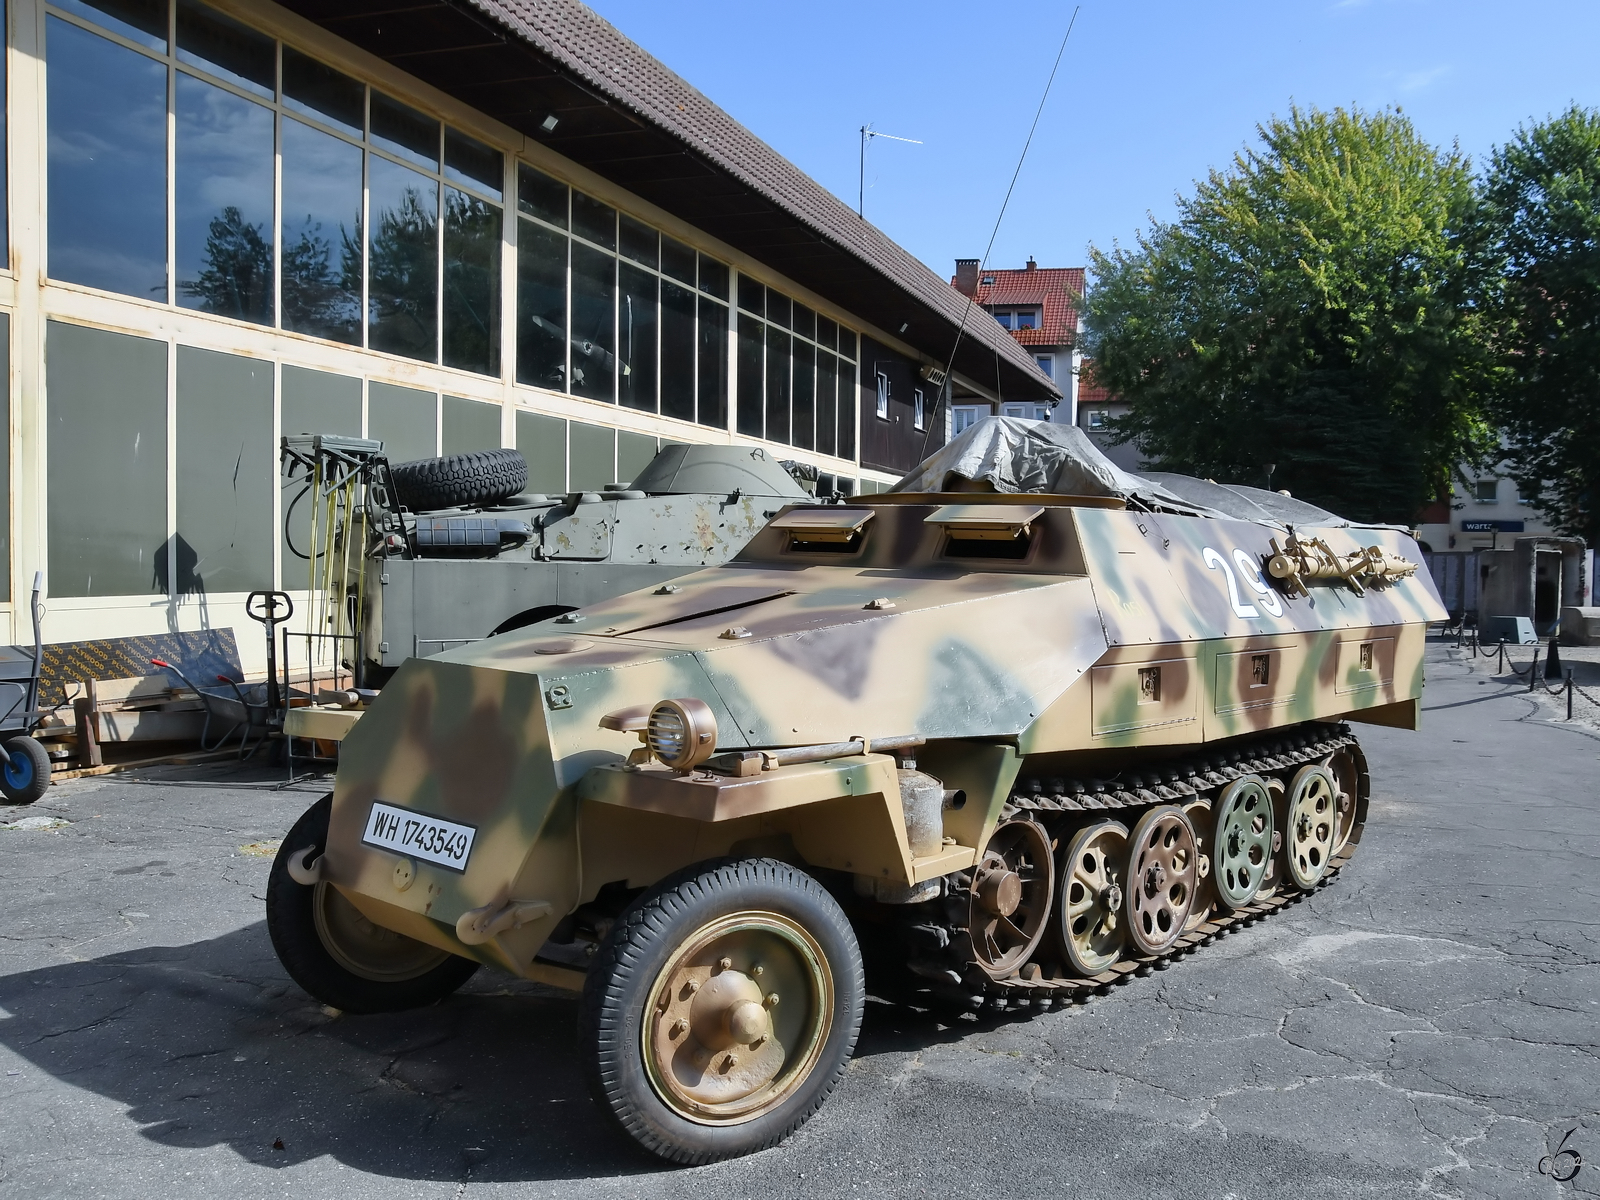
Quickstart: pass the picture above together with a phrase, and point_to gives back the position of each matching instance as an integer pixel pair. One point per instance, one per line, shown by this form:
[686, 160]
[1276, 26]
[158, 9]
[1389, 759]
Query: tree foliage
[1543, 203]
[1317, 307]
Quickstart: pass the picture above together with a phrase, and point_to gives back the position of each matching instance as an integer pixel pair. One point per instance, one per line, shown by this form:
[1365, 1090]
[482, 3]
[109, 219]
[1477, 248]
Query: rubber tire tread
[40, 758]
[293, 931]
[632, 956]
[460, 480]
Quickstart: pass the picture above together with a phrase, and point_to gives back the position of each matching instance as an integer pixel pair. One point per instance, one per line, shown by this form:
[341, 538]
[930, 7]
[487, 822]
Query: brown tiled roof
[1055, 290]
[1089, 391]
[584, 43]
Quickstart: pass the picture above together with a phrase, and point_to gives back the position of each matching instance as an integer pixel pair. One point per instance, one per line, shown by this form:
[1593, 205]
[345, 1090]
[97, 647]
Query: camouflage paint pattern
[1093, 630]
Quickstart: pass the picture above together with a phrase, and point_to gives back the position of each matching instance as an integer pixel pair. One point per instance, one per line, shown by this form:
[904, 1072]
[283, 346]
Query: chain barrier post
[1533, 670]
[1500, 664]
[1569, 693]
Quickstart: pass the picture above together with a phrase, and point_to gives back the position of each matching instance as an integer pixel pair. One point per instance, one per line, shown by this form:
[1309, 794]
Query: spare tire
[458, 480]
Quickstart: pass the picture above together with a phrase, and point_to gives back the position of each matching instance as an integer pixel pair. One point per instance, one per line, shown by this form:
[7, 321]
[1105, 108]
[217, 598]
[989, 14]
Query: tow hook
[303, 873]
[479, 925]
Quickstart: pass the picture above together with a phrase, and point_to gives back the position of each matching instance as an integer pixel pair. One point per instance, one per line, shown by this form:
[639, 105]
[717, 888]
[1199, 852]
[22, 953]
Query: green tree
[1543, 201]
[237, 278]
[1316, 307]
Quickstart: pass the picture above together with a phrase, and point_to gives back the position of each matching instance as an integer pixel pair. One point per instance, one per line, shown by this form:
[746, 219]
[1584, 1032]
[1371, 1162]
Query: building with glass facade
[448, 226]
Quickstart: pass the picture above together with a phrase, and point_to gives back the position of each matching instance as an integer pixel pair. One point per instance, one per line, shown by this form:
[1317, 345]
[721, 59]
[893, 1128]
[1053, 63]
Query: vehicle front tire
[335, 953]
[27, 776]
[722, 1010]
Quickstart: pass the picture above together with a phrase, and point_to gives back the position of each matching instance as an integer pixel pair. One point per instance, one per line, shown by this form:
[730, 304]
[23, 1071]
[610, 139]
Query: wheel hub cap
[739, 1017]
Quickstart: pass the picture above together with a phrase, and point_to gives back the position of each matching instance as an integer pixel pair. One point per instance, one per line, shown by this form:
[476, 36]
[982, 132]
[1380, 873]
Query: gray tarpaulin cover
[1013, 455]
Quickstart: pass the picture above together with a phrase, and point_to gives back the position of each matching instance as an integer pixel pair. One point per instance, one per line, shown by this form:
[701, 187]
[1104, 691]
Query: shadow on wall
[175, 573]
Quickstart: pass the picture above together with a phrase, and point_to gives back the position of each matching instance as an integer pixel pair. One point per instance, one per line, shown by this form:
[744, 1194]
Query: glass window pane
[752, 375]
[849, 394]
[225, 47]
[471, 283]
[404, 420]
[711, 384]
[470, 425]
[752, 296]
[469, 161]
[593, 456]
[225, 473]
[639, 242]
[634, 452]
[540, 196]
[593, 220]
[403, 130]
[778, 308]
[106, 478]
[321, 273]
[142, 21]
[543, 442]
[107, 222]
[677, 260]
[541, 307]
[677, 351]
[312, 402]
[223, 226]
[319, 91]
[805, 387]
[403, 296]
[594, 323]
[827, 403]
[805, 321]
[636, 337]
[827, 333]
[777, 385]
[847, 343]
[713, 278]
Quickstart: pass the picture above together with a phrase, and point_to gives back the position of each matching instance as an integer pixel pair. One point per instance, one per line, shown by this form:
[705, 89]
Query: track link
[930, 934]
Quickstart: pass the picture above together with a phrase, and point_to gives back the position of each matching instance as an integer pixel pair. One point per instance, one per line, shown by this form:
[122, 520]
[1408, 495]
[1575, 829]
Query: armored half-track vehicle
[997, 738]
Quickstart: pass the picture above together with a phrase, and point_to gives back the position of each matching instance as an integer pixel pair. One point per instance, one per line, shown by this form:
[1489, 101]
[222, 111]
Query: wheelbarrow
[239, 710]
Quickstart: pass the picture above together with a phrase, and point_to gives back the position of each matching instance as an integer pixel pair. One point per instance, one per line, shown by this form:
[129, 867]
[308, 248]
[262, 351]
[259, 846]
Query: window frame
[885, 394]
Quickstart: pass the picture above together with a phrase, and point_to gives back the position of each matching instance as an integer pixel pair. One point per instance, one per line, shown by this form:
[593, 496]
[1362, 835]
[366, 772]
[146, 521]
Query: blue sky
[1150, 96]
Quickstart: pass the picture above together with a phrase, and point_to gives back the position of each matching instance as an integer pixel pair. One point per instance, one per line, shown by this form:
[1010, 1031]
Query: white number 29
[1268, 599]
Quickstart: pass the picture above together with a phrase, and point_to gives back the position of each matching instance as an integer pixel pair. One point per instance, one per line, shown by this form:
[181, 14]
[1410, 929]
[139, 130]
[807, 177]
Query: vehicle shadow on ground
[211, 1044]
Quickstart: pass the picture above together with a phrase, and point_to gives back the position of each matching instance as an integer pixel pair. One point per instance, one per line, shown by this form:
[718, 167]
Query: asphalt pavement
[1426, 1026]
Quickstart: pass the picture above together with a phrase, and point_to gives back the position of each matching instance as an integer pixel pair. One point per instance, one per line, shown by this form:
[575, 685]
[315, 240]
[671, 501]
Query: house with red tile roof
[1039, 307]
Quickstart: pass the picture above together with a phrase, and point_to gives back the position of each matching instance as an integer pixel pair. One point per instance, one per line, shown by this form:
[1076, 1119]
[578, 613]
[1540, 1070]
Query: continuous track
[930, 937]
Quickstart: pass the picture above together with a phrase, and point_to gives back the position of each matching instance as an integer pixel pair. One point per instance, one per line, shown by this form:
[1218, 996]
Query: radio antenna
[867, 134]
[950, 363]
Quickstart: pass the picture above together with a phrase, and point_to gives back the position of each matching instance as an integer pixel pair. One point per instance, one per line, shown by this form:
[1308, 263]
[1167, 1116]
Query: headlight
[682, 733]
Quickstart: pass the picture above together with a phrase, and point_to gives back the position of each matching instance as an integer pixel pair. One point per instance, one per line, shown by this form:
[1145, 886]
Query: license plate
[432, 838]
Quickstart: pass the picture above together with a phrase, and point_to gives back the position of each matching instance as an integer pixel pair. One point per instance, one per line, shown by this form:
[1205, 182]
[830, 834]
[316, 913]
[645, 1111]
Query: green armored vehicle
[474, 555]
[996, 738]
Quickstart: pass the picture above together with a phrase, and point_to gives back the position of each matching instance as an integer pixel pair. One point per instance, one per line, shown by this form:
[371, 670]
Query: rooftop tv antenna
[867, 134]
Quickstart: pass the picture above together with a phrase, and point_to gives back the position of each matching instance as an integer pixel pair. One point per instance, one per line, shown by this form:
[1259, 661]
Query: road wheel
[1308, 834]
[1092, 929]
[722, 1010]
[1163, 874]
[1242, 841]
[27, 776]
[1349, 768]
[331, 950]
